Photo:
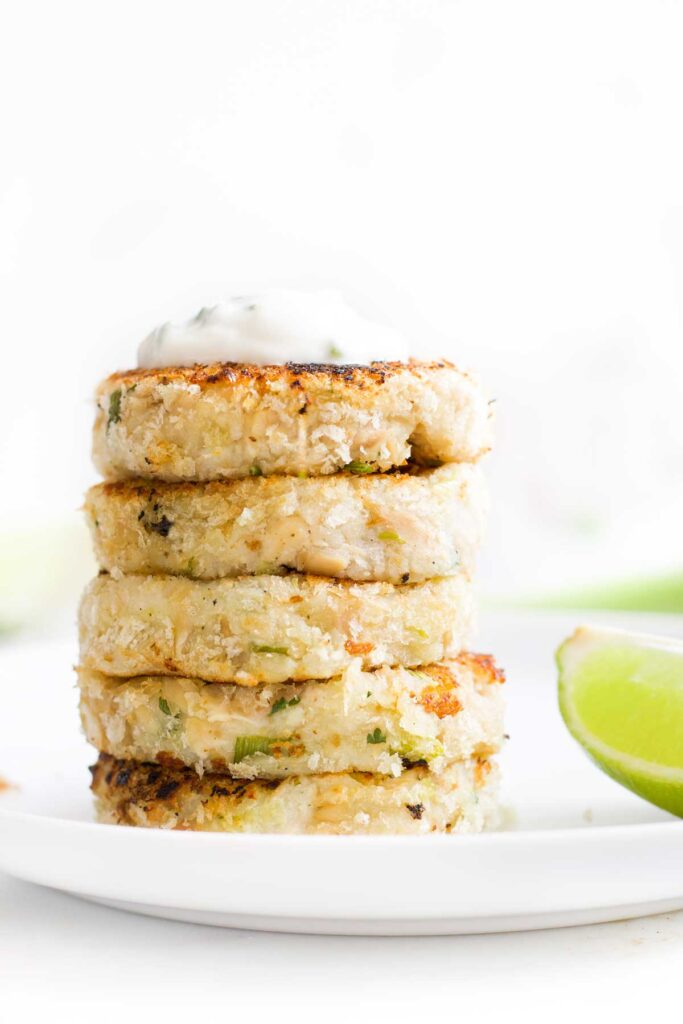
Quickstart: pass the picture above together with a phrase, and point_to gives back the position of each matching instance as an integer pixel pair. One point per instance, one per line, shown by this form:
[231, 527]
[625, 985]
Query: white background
[504, 181]
[65, 960]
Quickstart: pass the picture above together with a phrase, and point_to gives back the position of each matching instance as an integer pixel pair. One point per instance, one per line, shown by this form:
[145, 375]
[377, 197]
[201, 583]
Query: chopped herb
[302, 474]
[368, 694]
[114, 407]
[191, 567]
[283, 703]
[359, 467]
[377, 736]
[334, 352]
[390, 535]
[255, 471]
[245, 746]
[163, 705]
[267, 649]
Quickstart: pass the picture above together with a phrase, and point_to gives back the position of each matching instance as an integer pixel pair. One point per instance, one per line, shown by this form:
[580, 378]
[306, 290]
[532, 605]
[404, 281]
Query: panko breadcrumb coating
[268, 629]
[232, 420]
[461, 799]
[397, 527]
[358, 721]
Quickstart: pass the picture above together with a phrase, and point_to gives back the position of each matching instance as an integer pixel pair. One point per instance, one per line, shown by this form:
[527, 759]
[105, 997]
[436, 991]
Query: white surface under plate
[577, 849]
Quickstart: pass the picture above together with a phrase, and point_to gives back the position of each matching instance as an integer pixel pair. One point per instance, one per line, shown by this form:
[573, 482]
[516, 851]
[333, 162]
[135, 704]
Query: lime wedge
[621, 697]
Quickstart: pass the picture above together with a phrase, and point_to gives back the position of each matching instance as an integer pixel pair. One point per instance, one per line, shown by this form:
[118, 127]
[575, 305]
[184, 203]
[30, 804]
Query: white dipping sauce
[278, 326]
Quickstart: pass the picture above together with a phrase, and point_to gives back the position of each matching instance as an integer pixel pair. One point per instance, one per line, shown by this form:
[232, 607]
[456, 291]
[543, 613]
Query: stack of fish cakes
[278, 640]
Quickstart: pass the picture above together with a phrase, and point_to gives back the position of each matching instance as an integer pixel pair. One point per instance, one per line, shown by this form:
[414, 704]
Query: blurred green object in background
[42, 571]
[656, 594]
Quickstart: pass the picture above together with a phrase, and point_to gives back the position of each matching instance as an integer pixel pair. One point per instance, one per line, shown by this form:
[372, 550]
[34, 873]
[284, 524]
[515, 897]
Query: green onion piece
[283, 703]
[335, 352]
[390, 535]
[359, 467]
[377, 736]
[175, 724]
[114, 407]
[255, 471]
[245, 746]
[267, 649]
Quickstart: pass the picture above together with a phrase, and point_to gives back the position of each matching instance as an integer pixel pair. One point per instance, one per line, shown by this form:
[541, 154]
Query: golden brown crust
[247, 630]
[463, 799]
[294, 375]
[148, 489]
[435, 715]
[230, 420]
[398, 528]
[441, 699]
[144, 782]
[483, 666]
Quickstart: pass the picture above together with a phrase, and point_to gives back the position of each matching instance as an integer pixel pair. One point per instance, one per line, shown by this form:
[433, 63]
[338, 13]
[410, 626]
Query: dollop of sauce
[278, 326]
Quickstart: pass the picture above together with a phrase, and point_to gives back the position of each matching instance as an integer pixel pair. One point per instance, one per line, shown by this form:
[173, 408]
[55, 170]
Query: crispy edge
[138, 487]
[293, 375]
[142, 782]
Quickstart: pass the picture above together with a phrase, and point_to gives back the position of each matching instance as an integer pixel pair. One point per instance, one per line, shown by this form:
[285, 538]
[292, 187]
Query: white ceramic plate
[578, 848]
